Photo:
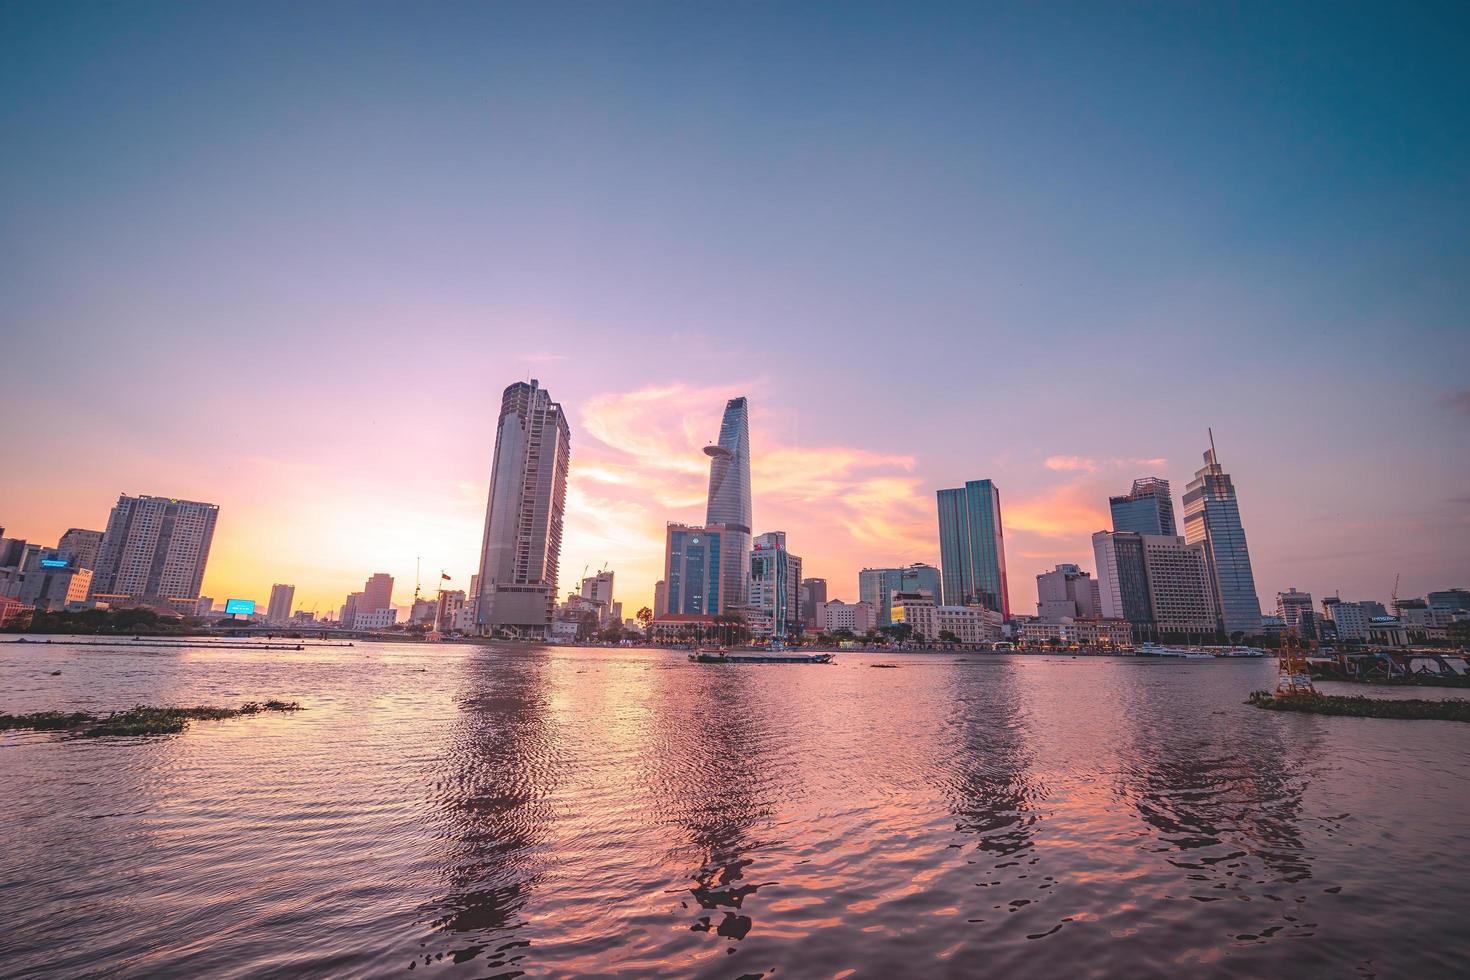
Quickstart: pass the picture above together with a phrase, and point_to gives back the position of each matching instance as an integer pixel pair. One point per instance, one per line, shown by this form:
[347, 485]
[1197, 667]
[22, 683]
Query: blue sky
[255, 251]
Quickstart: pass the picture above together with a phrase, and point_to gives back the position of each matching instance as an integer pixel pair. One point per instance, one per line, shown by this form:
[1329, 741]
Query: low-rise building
[969, 625]
[857, 617]
[377, 619]
[1079, 632]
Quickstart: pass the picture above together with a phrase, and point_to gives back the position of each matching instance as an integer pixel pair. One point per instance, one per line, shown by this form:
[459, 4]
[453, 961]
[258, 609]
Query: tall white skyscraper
[729, 501]
[278, 613]
[523, 519]
[155, 547]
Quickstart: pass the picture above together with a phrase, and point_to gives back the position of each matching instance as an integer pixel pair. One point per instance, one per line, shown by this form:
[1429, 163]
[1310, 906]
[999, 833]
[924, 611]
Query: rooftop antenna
[1213, 458]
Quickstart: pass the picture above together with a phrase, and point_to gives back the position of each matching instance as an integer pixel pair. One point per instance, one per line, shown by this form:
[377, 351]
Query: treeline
[93, 621]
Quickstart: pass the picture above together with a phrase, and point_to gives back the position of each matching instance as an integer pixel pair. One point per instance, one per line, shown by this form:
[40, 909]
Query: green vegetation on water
[141, 720]
[1363, 707]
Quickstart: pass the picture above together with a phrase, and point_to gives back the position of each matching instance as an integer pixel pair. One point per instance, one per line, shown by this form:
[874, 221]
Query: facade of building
[729, 501]
[599, 589]
[694, 567]
[1349, 619]
[1067, 592]
[1148, 508]
[347, 615]
[377, 593]
[970, 625]
[775, 598]
[1081, 632]
[813, 593]
[877, 585]
[377, 619]
[1179, 593]
[155, 547]
[521, 549]
[54, 580]
[972, 547]
[1448, 601]
[856, 617]
[660, 596]
[82, 545]
[278, 611]
[1290, 605]
[1122, 577]
[1212, 519]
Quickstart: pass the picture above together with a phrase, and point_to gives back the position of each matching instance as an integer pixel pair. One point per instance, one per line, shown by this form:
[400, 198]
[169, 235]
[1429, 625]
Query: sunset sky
[285, 258]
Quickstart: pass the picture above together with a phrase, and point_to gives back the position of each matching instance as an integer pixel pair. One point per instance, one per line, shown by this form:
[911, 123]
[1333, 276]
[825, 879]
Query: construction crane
[1394, 596]
[1294, 676]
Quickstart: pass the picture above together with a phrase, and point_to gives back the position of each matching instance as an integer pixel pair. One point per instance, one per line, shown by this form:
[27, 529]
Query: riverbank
[1357, 706]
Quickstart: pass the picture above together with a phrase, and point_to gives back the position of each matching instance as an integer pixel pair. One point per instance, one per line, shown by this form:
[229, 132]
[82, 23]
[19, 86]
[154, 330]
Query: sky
[286, 257]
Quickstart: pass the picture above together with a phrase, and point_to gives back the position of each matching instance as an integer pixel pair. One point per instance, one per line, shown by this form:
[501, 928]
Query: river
[474, 811]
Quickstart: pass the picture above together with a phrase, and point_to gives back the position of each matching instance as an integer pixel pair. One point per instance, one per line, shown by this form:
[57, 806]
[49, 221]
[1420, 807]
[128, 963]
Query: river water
[474, 811]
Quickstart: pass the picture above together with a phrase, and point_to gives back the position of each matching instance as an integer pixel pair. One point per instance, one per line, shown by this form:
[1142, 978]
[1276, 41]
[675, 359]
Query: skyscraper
[278, 613]
[972, 548]
[774, 576]
[694, 569]
[523, 518]
[1157, 582]
[1148, 508]
[1290, 605]
[377, 593]
[155, 547]
[877, 585]
[729, 501]
[1212, 518]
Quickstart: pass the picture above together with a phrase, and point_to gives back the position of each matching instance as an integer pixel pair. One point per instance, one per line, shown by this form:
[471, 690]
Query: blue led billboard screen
[243, 607]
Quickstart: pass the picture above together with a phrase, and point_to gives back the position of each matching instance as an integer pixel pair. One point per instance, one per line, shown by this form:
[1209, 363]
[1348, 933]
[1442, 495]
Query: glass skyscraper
[1146, 509]
[692, 557]
[877, 585]
[729, 500]
[1212, 517]
[972, 549]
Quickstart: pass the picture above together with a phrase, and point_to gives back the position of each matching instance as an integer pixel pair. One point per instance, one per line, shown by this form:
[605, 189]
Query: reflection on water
[477, 811]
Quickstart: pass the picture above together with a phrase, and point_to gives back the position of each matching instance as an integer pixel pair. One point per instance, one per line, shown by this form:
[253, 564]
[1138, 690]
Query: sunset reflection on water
[485, 811]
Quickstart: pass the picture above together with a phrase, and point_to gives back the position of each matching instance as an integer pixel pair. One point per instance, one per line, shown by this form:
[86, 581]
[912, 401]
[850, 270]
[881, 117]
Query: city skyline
[248, 296]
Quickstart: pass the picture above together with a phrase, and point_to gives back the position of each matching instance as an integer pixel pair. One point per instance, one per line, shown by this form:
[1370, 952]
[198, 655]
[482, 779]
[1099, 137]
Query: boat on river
[1178, 653]
[758, 657]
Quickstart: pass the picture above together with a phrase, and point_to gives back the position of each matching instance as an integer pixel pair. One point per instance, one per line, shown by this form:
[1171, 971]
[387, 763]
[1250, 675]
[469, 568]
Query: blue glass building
[692, 557]
[729, 500]
[972, 549]
[1212, 516]
[1148, 508]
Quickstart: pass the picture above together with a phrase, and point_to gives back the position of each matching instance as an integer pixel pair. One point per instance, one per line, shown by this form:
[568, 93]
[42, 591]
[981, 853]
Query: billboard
[54, 562]
[242, 607]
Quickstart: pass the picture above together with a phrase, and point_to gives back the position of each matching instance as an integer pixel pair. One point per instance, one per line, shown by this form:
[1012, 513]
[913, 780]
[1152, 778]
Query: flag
[444, 576]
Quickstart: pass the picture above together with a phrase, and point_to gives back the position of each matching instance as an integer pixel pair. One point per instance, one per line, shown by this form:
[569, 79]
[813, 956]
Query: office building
[931, 623]
[1212, 519]
[1349, 619]
[81, 545]
[53, 580]
[278, 611]
[377, 593]
[521, 548]
[204, 606]
[598, 589]
[1157, 583]
[729, 501]
[660, 597]
[877, 585]
[775, 599]
[855, 617]
[1148, 508]
[1449, 602]
[347, 615]
[1290, 605]
[1067, 592]
[813, 593]
[694, 568]
[972, 547]
[376, 619]
[155, 547]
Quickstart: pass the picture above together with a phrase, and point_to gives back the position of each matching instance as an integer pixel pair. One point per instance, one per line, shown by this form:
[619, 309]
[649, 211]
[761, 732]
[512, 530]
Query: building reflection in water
[719, 768]
[494, 798]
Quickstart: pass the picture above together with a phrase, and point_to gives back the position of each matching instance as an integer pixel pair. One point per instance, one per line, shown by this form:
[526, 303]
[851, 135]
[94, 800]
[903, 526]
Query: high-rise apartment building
[660, 597]
[521, 548]
[155, 547]
[813, 593]
[775, 600]
[1212, 518]
[598, 589]
[1067, 592]
[729, 500]
[694, 568]
[1148, 508]
[81, 545]
[877, 585]
[1350, 619]
[278, 611]
[377, 593]
[972, 548]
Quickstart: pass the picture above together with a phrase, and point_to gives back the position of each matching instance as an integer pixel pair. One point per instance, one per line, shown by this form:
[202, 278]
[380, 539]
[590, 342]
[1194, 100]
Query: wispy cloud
[1457, 401]
[1087, 464]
